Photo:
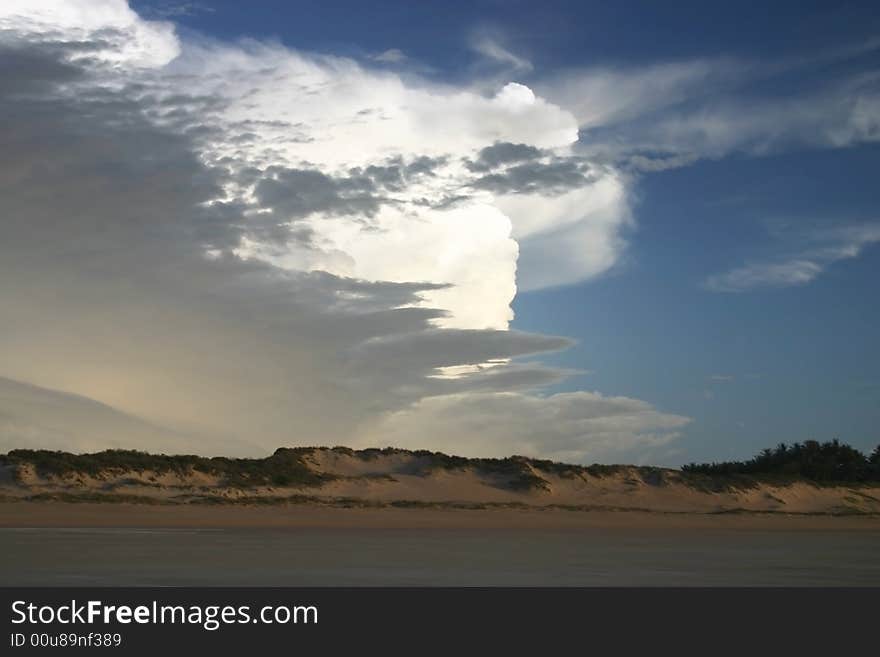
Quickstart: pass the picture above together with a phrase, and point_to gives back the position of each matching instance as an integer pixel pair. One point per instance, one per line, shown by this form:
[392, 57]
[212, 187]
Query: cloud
[500, 153]
[642, 119]
[490, 46]
[253, 246]
[770, 274]
[298, 193]
[107, 30]
[582, 231]
[171, 10]
[823, 249]
[30, 415]
[537, 177]
[390, 56]
[606, 96]
[345, 121]
[367, 133]
[835, 116]
[670, 114]
[576, 427]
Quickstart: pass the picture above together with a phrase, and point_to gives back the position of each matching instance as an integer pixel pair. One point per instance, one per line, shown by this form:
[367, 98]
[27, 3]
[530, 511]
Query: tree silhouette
[822, 462]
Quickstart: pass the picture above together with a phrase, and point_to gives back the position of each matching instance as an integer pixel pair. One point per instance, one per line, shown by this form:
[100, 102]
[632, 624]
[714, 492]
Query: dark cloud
[99, 176]
[502, 153]
[426, 350]
[395, 174]
[297, 193]
[27, 69]
[423, 166]
[389, 177]
[505, 168]
[558, 176]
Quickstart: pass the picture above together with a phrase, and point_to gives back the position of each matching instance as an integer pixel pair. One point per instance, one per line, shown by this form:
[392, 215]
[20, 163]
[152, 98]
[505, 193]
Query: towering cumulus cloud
[253, 246]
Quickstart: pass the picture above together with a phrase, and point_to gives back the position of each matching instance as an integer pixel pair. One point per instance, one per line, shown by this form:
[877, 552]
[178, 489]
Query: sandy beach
[59, 514]
[115, 544]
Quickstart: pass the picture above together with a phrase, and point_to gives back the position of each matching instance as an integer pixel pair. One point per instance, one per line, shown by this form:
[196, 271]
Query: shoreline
[61, 515]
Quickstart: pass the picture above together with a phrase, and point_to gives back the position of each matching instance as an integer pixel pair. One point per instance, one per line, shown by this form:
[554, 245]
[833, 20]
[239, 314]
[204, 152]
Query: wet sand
[60, 515]
[52, 544]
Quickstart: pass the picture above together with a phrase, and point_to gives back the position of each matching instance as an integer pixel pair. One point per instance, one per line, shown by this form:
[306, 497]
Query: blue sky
[693, 202]
[753, 368]
[553, 33]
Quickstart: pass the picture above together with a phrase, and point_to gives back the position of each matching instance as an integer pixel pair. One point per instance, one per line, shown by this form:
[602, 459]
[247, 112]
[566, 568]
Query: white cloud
[601, 97]
[119, 35]
[673, 114]
[670, 114]
[823, 250]
[390, 56]
[580, 231]
[575, 427]
[490, 46]
[335, 115]
[833, 117]
[172, 10]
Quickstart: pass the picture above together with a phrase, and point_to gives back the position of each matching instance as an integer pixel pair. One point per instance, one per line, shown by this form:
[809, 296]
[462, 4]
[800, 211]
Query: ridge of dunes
[340, 476]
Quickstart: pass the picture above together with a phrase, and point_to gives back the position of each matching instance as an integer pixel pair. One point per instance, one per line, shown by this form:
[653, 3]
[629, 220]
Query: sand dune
[340, 477]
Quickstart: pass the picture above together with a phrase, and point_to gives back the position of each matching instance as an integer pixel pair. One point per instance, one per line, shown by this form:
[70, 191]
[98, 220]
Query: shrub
[285, 467]
[828, 462]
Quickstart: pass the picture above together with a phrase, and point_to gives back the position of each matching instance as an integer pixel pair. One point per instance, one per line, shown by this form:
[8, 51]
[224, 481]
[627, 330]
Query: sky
[592, 233]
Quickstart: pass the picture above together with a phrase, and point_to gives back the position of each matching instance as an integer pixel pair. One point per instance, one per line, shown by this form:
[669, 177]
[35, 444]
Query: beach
[51, 544]
[83, 515]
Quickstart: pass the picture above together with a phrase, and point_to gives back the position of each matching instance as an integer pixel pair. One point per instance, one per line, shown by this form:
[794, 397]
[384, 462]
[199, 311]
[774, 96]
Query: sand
[405, 489]
[60, 515]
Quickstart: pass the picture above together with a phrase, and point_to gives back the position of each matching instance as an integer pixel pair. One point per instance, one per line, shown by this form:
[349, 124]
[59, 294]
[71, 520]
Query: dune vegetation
[810, 477]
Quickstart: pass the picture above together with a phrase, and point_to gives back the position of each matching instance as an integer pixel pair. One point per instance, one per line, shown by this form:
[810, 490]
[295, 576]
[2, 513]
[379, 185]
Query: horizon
[570, 232]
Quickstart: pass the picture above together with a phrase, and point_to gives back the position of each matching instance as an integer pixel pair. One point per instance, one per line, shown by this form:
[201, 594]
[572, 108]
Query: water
[444, 557]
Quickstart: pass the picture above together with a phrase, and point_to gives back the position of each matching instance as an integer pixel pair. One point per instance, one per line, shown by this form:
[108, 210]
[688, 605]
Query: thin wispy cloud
[672, 114]
[390, 56]
[172, 10]
[801, 267]
[492, 47]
